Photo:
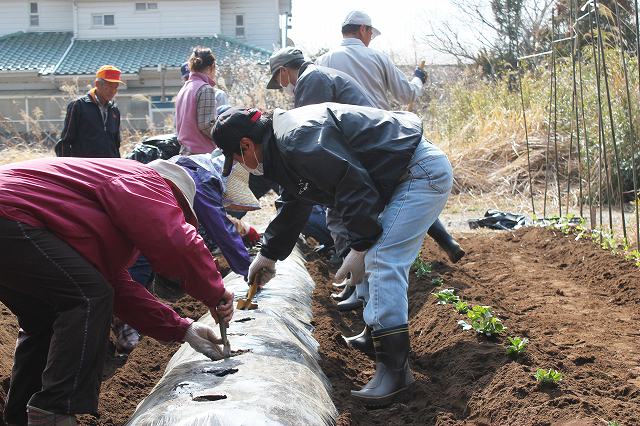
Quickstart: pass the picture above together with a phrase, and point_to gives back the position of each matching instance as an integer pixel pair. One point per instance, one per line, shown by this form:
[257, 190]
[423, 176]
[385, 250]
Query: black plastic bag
[167, 144]
[495, 219]
[144, 153]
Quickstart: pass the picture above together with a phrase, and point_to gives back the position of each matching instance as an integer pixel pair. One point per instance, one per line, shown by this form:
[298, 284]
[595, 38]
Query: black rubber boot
[346, 292]
[362, 342]
[446, 242]
[351, 303]
[393, 378]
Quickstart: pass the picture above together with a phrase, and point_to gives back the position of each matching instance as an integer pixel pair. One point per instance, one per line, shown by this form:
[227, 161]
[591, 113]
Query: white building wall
[54, 15]
[172, 18]
[260, 21]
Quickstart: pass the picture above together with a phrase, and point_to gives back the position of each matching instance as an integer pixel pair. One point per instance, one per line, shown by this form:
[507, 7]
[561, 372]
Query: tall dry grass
[480, 125]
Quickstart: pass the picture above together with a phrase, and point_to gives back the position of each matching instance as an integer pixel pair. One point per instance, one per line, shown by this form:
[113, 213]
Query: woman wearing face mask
[196, 105]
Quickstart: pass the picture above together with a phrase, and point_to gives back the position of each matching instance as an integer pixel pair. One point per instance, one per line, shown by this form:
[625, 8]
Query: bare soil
[577, 304]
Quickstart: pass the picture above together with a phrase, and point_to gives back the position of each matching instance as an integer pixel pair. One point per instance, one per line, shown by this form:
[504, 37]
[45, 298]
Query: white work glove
[261, 270]
[203, 339]
[354, 264]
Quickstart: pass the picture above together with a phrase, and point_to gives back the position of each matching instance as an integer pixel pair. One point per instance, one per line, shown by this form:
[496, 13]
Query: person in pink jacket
[69, 228]
[196, 104]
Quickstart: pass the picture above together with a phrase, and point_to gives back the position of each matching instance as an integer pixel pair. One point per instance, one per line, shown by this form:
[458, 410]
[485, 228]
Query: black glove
[420, 74]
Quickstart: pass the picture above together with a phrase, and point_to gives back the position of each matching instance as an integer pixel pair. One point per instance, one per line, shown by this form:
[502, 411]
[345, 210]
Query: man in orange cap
[92, 125]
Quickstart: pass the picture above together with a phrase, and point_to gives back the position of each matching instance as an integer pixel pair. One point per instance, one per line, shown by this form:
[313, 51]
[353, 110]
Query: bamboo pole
[526, 138]
[611, 123]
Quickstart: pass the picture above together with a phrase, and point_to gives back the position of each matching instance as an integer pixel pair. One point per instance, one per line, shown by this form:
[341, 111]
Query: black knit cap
[233, 125]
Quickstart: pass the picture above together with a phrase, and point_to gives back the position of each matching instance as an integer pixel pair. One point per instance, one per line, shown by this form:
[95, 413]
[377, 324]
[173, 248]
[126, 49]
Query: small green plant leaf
[446, 296]
[421, 268]
[437, 282]
[461, 306]
[548, 377]
[483, 321]
[517, 345]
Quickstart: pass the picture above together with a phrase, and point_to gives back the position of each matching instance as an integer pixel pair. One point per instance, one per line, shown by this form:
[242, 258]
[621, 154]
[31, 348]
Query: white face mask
[258, 171]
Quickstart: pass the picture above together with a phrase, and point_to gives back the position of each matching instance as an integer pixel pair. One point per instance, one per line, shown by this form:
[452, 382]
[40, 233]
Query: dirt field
[578, 305]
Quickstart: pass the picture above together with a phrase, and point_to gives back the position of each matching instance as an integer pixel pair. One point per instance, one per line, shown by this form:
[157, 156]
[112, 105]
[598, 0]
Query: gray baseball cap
[357, 17]
[279, 59]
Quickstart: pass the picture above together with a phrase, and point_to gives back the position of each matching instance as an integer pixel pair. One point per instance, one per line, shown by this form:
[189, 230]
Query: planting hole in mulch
[577, 305]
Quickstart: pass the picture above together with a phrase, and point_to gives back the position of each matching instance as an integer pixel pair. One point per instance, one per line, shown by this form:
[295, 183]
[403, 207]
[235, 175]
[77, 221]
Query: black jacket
[346, 157]
[318, 84]
[85, 134]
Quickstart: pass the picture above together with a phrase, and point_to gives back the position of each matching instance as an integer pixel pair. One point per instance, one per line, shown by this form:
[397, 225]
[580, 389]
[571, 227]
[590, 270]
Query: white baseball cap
[357, 17]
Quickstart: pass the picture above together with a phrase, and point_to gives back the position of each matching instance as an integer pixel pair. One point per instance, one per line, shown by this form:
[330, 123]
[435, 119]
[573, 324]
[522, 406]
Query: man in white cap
[69, 228]
[375, 72]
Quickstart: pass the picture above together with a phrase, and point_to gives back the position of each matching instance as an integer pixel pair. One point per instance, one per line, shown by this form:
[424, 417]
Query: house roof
[59, 54]
[32, 51]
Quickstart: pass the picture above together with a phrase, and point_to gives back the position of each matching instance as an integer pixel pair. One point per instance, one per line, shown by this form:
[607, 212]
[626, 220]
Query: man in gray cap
[372, 69]
[313, 84]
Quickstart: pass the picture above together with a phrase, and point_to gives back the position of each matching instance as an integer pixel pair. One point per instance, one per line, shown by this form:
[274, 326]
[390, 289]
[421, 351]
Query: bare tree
[503, 29]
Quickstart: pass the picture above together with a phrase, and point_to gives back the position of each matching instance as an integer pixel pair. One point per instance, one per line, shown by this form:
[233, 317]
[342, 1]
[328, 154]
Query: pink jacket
[107, 209]
[189, 134]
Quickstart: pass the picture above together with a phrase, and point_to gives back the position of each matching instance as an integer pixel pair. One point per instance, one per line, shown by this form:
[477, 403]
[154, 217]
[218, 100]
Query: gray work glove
[203, 339]
[261, 270]
[354, 264]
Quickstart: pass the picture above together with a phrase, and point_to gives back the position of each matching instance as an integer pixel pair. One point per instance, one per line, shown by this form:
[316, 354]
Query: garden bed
[577, 305]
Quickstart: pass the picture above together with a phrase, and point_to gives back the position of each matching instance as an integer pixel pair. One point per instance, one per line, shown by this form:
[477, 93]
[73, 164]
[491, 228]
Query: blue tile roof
[32, 51]
[43, 51]
[130, 55]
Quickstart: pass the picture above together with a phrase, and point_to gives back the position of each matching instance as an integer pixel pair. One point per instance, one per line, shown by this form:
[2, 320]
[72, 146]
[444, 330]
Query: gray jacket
[318, 84]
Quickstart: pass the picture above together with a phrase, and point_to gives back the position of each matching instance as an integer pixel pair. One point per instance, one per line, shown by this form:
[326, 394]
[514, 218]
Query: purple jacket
[189, 134]
[210, 211]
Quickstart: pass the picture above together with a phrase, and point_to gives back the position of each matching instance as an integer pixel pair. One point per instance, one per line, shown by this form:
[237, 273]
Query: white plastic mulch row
[277, 381]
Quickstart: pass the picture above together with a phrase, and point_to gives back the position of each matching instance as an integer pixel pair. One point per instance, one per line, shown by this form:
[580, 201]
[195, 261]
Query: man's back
[373, 70]
[318, 84]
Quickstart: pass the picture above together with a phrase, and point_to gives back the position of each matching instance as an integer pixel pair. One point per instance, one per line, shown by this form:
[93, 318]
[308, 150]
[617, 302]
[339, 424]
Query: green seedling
[461, 306]
[437, 282]
[481, 319]
[517, 346]
[421, 268]
[446, 296]
[613, 423]
[548, 377]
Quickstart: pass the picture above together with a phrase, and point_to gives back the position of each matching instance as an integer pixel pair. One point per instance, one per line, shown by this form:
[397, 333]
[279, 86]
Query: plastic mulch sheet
[272, 377]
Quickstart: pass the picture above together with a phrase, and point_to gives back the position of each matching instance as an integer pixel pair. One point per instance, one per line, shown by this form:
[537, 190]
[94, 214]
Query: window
[34, 18]
[141, 7]
[103, 20]
[240, 26]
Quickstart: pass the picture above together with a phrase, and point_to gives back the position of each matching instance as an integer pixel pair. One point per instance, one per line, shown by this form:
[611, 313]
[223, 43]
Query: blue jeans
[414, 206]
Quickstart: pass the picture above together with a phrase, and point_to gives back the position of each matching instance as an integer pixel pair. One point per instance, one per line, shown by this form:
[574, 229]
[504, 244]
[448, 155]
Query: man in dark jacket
[92, 125]
[314, 84]
[385, 182]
